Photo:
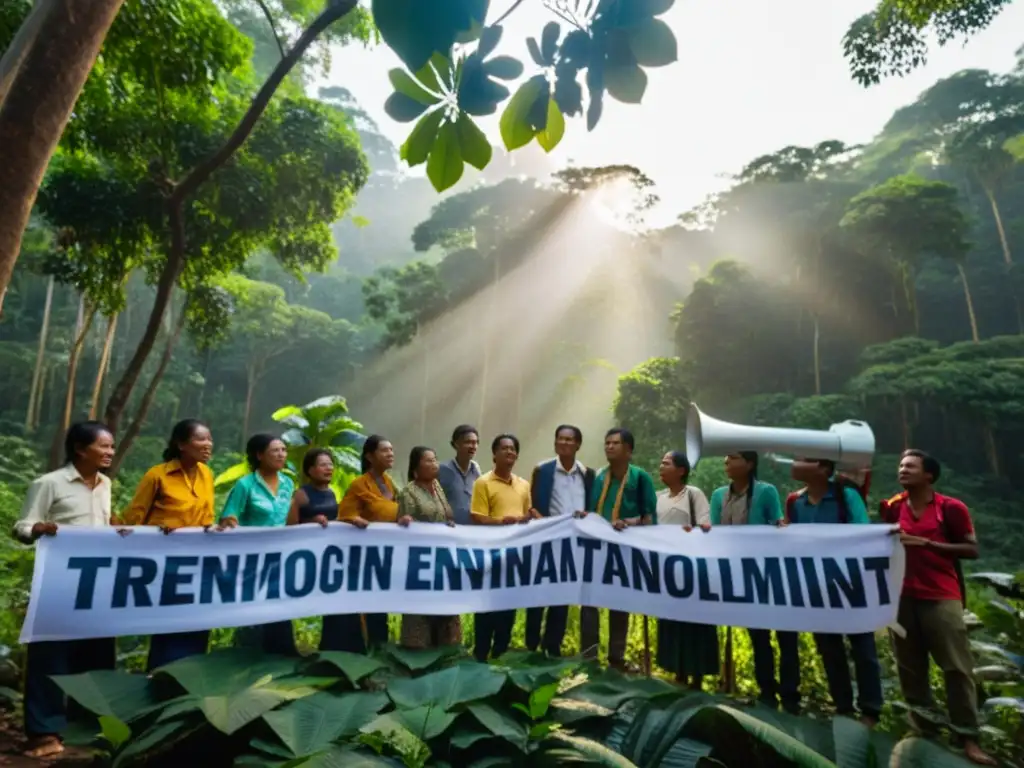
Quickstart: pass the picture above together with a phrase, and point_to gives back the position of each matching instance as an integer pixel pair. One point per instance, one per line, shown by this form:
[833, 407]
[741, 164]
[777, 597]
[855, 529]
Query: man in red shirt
[936, 532]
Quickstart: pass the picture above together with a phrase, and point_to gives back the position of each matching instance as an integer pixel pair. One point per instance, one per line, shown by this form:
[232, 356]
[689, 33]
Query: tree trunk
[486, 336]
[817, 355]
[250, 388]
[184, 189]
[905, 423]
[426, 384]
[24, 39]
[101, 370]
[37, 109]
[82, 325]
[970, 303]
[37, 373]
[40, 397]
[124, 444]
[1007, 256]
[991, 450]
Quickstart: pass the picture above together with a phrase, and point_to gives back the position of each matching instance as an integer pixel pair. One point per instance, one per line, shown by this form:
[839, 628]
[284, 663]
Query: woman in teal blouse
[748, 501]
[262, 498]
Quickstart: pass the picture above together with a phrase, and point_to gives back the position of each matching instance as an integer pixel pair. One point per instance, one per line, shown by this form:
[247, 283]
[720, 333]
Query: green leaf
[535, 54]
[504, 67]
[289, 410]
[403, 83]
[553, 132]
[346, 757]
[653, 43]
[626, 83]
[311, 724]
[415, 29]
[354, 666]
[476, 149]
[417, 146]
[420, 659]
[444, 165]
[500, 723]
[517, 127]
[162, 735]
[916, 752]
[613, 689]
[489, 38]
[403, 109]
[540, 700]
[231, 475]
[464, 738]
[109, 693]
[723, 725]
[114, 731]
[422, 724]
[448, 687]
[549, 42]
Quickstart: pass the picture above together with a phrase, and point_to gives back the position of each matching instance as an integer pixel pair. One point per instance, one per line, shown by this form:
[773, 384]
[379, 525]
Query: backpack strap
[639, 493]
[791, 506]
[693, 512]
[947, 534]
[842, 507]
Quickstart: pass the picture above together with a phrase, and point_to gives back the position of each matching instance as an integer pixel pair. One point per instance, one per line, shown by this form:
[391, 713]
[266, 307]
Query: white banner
[815, 578]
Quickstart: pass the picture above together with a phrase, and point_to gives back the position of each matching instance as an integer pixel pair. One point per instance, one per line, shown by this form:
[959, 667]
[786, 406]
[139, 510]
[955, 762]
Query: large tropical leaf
[354, 666]
[416, 660]
[448, 687]
[921, 753]
[500, 723]
[310, 725]
[159, 736]
[595, 752]
[231, 475]
[613, 689]
[108, 693]
[742, 739]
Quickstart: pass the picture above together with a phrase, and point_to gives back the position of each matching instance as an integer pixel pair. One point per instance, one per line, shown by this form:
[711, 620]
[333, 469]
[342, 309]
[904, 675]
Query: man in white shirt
[77, 494]
[558, 487]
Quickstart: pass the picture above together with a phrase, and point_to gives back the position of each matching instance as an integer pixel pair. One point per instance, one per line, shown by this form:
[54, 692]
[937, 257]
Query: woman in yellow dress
[373, 498]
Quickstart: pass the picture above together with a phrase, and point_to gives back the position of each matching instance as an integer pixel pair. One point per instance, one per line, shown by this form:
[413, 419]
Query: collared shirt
[639, 491]
[827, 509]
[166, 497]
[735, 508]
[62, 497]
[364, 499]
[688, 509]
[497, 498]
[458, 487]
[568, 494]
[251, 502]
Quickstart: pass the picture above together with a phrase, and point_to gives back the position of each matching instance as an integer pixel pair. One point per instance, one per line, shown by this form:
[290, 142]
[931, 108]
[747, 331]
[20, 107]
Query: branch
[273, 27]
[334, 11]
[507, 13]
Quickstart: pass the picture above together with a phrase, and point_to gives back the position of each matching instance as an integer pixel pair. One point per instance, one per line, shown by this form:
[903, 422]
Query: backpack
[885, 512]
[842, 482]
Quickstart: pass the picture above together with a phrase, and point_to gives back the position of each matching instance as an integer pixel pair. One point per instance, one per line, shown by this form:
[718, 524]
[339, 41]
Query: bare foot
[43, 747]
[974, 753]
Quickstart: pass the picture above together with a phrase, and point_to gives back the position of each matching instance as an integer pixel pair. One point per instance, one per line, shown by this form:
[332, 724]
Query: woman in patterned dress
[423, 501]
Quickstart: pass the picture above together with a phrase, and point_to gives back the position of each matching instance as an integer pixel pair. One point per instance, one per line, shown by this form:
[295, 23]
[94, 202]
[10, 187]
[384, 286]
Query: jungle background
[829, 281]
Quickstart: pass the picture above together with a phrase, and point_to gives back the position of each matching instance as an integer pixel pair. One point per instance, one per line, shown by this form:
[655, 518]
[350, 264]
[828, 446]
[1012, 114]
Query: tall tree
[908, 218]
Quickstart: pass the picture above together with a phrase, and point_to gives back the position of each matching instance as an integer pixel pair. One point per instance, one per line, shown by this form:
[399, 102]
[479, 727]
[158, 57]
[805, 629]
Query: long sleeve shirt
[364, 499]
[167, 497]
[62, 497]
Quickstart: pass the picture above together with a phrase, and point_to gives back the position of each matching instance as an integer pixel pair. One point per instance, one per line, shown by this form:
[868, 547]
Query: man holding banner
[499, 498]
[624, 495]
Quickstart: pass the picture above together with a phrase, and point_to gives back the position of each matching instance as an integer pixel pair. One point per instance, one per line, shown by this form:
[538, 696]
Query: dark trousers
[832, 649]
[46, 706]
[493, 633]
[277, 637]
[163, 649]
[590, 634]
[554, 629]
[344, 632]
[787, 687]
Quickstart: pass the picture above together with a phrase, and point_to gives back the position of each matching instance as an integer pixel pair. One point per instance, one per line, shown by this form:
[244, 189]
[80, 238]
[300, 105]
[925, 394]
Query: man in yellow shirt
[499, 498]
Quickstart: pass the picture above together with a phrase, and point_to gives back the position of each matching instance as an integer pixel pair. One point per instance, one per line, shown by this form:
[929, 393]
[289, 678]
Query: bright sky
[753, 76]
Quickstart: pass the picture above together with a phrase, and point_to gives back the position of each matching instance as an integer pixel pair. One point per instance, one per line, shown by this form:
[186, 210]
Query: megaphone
[850, 444]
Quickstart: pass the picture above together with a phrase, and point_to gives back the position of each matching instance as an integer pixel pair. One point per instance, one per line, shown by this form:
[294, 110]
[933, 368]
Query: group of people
[179, 493]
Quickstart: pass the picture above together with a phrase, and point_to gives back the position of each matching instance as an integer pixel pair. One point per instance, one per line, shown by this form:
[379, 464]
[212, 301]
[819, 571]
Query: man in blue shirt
[825, 498]
[458, 475]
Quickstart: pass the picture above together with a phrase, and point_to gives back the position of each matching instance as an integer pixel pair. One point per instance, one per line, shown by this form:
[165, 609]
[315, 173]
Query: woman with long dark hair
[177, 494]
[748, 501]
[315, 502]
[689, 650]
[372, 497]
[262, 498]
[423, 500]
[77, 494]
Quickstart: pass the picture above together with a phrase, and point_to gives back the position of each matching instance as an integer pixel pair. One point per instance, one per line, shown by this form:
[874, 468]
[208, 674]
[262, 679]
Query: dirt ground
[12, 742]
